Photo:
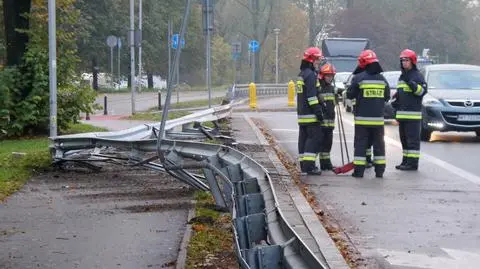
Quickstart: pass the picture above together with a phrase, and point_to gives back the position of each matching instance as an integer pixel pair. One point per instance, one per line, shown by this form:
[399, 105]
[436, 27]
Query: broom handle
[344, 136]
[340, 132]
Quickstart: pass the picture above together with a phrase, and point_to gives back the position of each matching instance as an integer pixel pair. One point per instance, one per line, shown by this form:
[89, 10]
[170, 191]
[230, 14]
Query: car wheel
[477, 132]
[425, 135]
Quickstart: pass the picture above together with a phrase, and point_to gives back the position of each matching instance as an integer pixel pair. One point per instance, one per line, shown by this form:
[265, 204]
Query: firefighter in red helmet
[411, 88]
[327, 97]
[370, 90]
[309, 112]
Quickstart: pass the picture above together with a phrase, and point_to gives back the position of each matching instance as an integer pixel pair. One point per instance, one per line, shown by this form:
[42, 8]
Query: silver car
[453, 99]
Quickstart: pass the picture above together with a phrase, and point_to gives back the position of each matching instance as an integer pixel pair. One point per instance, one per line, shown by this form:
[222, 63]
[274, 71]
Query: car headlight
[430, 101]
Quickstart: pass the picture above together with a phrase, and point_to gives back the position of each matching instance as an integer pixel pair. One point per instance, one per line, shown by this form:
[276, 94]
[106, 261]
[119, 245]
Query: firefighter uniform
[371, 91]
[326, 95]
[310, 116]
[411, 88]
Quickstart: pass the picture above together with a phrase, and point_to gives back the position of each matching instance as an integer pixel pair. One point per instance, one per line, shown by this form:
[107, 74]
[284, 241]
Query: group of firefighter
[317, 98]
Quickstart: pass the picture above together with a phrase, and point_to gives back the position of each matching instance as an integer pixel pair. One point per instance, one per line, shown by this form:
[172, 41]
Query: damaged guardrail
[263, 238]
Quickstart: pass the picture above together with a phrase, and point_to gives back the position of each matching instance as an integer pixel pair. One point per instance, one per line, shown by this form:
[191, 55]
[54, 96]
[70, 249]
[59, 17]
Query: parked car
[340, 79]
[347, 103]
[392, 79]
[453, 99]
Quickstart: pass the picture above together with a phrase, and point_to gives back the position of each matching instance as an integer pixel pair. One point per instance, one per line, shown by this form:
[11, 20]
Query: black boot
[314, 172]
[326, 165]
[379, 173]
[404, 162]
[358, 172]
[410, 165]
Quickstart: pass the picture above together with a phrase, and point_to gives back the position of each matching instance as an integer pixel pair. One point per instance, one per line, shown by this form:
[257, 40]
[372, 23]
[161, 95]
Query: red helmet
[311, 54]
[367, 57]
[327, 69]
[409, 54]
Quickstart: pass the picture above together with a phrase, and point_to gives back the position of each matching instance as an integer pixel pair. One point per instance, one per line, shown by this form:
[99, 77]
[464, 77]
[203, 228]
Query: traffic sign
[236, 50]
[175, 39]
[111, 41]
[253, 46]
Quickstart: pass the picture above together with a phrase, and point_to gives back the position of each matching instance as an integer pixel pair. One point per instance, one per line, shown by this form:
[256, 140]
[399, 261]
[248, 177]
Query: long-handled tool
[346, 167]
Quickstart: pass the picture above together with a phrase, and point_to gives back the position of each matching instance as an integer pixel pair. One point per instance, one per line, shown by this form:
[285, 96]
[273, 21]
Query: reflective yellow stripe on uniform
[328, 123]
[419, 91]
[379, 160]
[359, 160]
[413, 154]
[408, 115]
[312, 100]
[373, 88]
[307, 156]
[300, 85]
[369, 121]
[324, 155]
[402, 84]
[327, 96]
[310, 118]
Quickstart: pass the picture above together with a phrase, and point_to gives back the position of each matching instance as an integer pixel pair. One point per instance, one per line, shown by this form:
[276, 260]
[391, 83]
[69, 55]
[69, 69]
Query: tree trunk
[311, 22]
[150, 80]
[94, 74]
[349, 3]
[13, 17]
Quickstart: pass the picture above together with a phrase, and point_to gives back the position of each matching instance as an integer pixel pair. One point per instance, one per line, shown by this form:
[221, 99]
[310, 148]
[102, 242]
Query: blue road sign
[253, 46]
[175, 38]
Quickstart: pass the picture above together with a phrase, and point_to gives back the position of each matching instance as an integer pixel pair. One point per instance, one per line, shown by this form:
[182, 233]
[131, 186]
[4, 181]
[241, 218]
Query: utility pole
[208, 8]
[52, 59]
[169, 52]
[132, 52]
[276, 31]
[139, 80]
[119, 47]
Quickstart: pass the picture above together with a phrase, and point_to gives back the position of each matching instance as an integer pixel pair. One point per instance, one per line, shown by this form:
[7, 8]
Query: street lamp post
[276, 31]
[52, 59]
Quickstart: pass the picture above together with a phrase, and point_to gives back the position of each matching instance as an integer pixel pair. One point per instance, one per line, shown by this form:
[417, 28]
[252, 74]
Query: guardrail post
[291, 93]
[105, 111]
[253, 95]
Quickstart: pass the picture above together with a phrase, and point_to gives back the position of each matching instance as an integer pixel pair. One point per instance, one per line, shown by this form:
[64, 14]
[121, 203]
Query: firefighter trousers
[309, 146]
[410, 138]
[325, 148]
[364, 135]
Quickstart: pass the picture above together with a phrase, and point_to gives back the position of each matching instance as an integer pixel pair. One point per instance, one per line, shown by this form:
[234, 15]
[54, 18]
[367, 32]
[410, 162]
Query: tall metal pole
[276, 31]
[140, 11]
[52, 58]
[119, 47]
[169, 52]
[208, 52]
[111, 65]
[161, 132]
[132, 52]
[177, 70]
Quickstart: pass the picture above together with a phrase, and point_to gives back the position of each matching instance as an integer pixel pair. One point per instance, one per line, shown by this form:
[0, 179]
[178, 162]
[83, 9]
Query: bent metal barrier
[263, 238]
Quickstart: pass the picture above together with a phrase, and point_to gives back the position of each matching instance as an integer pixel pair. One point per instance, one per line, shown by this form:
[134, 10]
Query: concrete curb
[182, 254]
[328, 248]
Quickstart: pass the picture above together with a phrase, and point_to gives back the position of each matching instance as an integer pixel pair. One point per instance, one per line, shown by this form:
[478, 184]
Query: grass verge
[32, 155]
[212, 241]
[158, 116]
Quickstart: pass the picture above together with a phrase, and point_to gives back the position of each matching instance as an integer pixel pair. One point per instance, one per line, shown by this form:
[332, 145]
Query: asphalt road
[121, 103]
[424, 219]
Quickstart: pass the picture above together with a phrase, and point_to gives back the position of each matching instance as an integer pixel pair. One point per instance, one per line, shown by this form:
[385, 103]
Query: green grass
[210, 238]
[82, 128]
[158, 116]
[196, 103]
[15, 171]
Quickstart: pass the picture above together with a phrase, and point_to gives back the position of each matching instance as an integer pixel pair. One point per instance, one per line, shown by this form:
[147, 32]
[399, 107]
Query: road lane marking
[447, 166]
[457, 259]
